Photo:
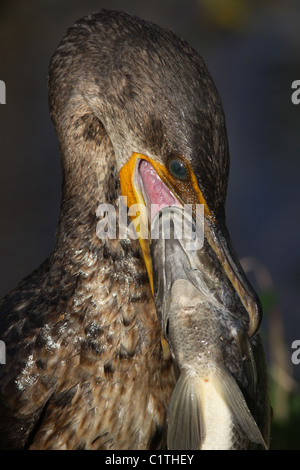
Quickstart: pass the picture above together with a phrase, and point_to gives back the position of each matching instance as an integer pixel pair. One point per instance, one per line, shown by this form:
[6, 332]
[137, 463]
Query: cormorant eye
[178, 169]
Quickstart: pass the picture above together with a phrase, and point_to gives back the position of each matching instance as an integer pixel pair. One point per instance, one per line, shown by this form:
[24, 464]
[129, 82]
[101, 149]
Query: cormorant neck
[89, 179]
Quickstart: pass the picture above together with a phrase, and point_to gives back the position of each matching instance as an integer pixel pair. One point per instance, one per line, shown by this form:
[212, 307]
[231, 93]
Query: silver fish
[206, 328]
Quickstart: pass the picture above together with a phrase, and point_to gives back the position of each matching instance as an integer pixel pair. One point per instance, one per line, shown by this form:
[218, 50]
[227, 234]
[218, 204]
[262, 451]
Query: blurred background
[252, 49]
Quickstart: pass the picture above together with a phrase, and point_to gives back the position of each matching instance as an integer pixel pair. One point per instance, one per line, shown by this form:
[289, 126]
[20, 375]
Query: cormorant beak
[148, 183]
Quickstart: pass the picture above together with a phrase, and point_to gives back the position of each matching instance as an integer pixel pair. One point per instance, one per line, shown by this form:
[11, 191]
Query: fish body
[205, 326]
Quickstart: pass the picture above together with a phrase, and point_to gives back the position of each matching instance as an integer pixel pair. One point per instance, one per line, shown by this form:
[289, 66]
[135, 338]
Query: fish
[205, 325]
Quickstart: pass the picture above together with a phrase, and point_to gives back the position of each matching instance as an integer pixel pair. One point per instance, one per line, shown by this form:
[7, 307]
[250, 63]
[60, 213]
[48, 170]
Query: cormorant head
[160, 108]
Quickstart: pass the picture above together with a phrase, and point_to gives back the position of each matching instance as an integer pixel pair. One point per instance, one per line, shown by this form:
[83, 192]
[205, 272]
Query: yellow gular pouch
[184, 192]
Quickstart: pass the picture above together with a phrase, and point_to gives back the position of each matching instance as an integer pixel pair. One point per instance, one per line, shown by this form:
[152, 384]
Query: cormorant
[86, 364]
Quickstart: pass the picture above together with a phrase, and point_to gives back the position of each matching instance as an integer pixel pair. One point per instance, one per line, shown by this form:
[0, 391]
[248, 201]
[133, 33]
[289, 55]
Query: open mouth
[151, 187]
[155, 193]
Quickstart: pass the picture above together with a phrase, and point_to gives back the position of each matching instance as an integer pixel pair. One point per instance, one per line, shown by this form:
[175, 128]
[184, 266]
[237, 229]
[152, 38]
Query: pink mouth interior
[156, 192]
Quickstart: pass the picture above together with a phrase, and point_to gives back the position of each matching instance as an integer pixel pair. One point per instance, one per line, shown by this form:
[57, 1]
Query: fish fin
[185, 418]
[233, 397]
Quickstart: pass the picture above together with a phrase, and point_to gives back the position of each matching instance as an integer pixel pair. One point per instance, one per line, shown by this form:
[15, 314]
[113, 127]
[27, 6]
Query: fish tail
[233, 397]
[203, 410]
[185, 419]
